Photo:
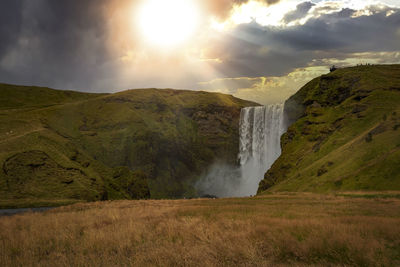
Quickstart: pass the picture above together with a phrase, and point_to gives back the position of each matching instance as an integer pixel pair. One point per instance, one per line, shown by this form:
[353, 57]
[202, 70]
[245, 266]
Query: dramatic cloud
[300, 12]
[54, 43]
[253, 50]
[268, 56]
[259, 50]
[266, 90]
[10, 23]
[222, 8]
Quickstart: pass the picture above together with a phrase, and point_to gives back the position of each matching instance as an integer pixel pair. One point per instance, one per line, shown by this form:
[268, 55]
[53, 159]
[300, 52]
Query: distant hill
[344, 133]
[60, 147]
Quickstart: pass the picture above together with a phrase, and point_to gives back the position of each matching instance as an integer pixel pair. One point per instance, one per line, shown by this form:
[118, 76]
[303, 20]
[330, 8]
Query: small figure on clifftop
[333, 68]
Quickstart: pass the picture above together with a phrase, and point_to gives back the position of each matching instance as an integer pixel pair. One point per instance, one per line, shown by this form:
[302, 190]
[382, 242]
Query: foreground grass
[272, 230]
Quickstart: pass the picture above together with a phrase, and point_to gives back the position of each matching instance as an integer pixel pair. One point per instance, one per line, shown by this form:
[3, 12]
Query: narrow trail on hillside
[12, 137]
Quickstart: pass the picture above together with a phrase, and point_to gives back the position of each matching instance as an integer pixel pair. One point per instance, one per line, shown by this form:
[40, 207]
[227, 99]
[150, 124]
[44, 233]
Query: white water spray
[259, 146]
[260, 134]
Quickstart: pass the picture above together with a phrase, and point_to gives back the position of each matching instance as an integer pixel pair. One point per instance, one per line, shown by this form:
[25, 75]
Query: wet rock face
[293, 110]
[218, 125]
[211, 123]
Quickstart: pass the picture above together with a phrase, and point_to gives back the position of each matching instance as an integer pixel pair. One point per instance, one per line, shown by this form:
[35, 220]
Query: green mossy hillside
[60, 147]
[344, 134]
[17, 97]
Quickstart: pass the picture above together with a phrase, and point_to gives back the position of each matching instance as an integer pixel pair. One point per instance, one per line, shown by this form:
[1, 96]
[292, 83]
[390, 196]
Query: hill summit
[344, 133]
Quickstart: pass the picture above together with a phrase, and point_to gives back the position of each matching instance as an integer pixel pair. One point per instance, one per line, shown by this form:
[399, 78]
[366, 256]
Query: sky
[260, 50]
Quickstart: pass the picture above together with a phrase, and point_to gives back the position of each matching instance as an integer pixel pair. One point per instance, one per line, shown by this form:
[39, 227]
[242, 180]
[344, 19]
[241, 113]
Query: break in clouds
[90, 45]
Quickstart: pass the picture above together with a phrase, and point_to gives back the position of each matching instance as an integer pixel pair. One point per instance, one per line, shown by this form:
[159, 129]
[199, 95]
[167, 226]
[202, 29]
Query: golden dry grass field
[286, 229]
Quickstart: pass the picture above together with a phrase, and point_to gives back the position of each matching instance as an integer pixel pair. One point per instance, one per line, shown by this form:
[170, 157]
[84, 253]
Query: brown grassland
[296, 229]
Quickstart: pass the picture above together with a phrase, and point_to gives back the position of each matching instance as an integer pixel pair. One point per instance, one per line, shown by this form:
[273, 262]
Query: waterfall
[259, 146]
[260, 131]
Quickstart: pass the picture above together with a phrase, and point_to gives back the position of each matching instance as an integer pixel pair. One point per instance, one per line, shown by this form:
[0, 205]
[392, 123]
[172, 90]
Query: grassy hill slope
[345, 135]
[63, 146]
[17, 97]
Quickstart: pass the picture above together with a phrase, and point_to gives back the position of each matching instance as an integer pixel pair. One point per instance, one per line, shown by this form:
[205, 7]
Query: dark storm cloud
[245, 58]
[253, 50]
[10, 23]
[299, 13]
[53, 43]
[339, 31]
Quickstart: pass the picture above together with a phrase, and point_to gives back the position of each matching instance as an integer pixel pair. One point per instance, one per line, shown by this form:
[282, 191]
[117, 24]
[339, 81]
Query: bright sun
[168, 23]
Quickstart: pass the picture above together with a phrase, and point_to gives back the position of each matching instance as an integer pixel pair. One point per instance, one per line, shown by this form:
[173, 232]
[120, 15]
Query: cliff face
[66, 146]
[344, 133]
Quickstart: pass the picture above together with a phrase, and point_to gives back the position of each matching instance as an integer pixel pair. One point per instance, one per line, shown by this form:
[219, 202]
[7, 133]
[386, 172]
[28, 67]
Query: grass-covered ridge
[345, 135]
[64, 146]
[16, 96]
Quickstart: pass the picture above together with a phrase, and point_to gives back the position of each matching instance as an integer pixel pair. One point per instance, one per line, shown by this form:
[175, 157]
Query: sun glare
[168, 23]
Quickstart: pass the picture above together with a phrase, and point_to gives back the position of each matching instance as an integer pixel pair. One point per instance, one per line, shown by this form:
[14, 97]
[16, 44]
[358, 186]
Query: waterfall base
[260, 131]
